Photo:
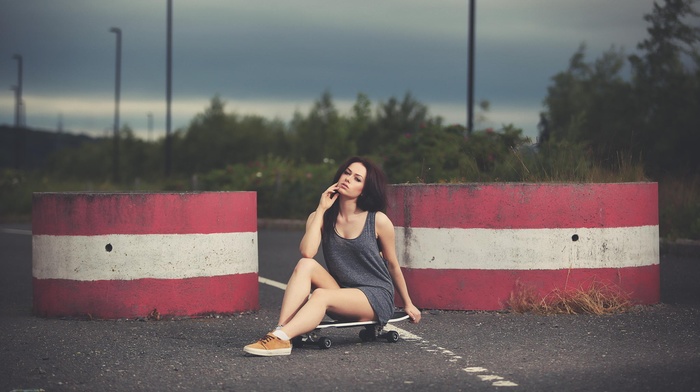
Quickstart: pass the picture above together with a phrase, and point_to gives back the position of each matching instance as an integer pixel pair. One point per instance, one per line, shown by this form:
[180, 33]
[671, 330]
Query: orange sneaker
[269, 346]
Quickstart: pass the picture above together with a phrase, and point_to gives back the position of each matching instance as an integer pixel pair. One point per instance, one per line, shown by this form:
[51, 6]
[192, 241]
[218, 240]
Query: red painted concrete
[111, 299]
[524, 206]
[490, 289]
[82, 214]
[144, 213]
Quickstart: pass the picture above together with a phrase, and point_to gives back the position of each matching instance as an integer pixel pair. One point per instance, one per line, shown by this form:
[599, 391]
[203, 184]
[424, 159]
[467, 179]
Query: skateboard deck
[371, 331]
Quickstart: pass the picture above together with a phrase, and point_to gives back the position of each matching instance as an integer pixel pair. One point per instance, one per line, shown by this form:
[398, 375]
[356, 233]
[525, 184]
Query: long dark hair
[373, 197]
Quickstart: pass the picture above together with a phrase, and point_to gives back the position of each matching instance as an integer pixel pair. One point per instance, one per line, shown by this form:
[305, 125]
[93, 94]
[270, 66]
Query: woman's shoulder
[382, 220]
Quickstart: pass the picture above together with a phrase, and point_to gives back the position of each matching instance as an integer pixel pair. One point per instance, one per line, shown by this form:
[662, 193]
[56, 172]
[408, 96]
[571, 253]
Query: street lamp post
[117, 87]
[18, 92]
[19, 133]
[470, 72]
[17, 138]
[168, 87]
[149, 115]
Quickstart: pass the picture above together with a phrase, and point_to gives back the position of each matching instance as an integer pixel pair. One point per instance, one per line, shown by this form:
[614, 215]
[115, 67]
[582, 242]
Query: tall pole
[19, 133]
[18, 92]
[150, 125]
[168, 88]
[117, 89]
[470, 72]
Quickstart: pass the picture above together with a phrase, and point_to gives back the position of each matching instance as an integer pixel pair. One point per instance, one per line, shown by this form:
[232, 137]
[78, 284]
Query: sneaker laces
[267, 339]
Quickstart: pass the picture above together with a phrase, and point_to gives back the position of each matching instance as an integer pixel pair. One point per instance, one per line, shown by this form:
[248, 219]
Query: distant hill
[31, 148]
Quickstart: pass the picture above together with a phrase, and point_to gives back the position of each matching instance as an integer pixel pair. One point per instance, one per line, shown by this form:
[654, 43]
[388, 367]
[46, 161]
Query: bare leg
[308, 273]
[348, 303]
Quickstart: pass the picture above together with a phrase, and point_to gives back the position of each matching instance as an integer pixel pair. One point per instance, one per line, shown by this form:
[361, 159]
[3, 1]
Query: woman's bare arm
[385, 231]
[314, 224]
[312, 237]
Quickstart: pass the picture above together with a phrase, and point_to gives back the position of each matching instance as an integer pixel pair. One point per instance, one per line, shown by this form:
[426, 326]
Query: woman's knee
[319, 295]
[314, 271]
[306, 265]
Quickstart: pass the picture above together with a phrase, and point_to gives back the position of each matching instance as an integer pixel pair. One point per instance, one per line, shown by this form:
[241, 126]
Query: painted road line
[272, 283]
[496, 380]
[15, 231]
[484, 374]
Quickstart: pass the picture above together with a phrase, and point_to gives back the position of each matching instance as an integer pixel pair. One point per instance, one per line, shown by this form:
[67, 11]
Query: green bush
[284, 190]
[15, 195]
[679, 208]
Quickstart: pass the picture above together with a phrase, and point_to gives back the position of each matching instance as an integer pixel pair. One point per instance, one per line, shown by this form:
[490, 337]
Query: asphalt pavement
[651, 348]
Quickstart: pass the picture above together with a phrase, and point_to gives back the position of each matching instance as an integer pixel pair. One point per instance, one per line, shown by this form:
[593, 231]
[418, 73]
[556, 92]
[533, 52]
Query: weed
[598, 298]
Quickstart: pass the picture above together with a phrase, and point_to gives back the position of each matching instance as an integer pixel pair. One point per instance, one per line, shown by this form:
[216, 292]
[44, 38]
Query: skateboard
[371, 332]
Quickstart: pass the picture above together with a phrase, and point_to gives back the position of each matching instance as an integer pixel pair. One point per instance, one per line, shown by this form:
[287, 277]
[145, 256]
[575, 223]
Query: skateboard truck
[371, 332]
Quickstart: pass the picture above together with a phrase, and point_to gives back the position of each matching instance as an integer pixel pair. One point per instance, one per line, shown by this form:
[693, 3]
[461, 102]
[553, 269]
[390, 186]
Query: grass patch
[679, 208]
[17, 187]
[598, 298]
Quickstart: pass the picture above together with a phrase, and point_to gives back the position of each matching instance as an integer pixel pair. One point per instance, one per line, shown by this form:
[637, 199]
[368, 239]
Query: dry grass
[597, 298]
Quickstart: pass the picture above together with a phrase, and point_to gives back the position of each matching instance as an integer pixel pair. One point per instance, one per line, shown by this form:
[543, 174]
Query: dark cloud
[283, 51]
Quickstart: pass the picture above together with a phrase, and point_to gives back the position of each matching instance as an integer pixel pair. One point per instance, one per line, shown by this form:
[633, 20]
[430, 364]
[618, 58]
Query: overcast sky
[275, 57]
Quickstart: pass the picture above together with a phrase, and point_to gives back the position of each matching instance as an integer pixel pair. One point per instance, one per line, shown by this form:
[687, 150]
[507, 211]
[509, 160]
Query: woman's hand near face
[328, 197]
[314, 224]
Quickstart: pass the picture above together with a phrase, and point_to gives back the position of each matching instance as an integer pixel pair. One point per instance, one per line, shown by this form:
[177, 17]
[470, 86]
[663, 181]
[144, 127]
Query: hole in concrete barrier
[108, 247]
[574, 237]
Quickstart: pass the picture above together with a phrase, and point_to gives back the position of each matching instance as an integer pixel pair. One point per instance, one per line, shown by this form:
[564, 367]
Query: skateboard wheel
[325, 343]
[392, 337]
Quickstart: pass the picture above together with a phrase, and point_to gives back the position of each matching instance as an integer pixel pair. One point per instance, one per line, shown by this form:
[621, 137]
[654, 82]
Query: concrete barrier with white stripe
[469, 246]
[127, 255]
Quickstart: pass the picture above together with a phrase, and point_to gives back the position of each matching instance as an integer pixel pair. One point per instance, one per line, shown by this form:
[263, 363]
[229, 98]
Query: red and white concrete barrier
[467, 247]
[125, 255]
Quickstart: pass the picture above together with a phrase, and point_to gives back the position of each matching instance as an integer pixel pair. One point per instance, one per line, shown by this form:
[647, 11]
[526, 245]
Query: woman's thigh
[347, 304]
[320, 278]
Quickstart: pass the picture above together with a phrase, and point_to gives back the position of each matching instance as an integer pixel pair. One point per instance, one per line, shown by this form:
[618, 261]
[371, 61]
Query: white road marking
[408, 336]
[272, 283]
[497, 381]
[15, 231]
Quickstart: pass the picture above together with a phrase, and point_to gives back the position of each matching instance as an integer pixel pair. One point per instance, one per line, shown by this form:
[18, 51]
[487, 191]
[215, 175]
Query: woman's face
[352, 181]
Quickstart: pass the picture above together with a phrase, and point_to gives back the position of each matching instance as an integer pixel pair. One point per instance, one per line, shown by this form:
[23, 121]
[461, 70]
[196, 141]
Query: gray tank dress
[356, 263]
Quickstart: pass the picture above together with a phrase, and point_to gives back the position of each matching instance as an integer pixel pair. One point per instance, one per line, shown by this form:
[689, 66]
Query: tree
[653, 116]
[205, 145]
[322, 134]
[216, 139]
[592, 104]
[361, 125]
[398, 118]
[667, 87]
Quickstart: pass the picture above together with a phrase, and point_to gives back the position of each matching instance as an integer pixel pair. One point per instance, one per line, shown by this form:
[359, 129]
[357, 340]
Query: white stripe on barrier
[527, 249]
[128, 257]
